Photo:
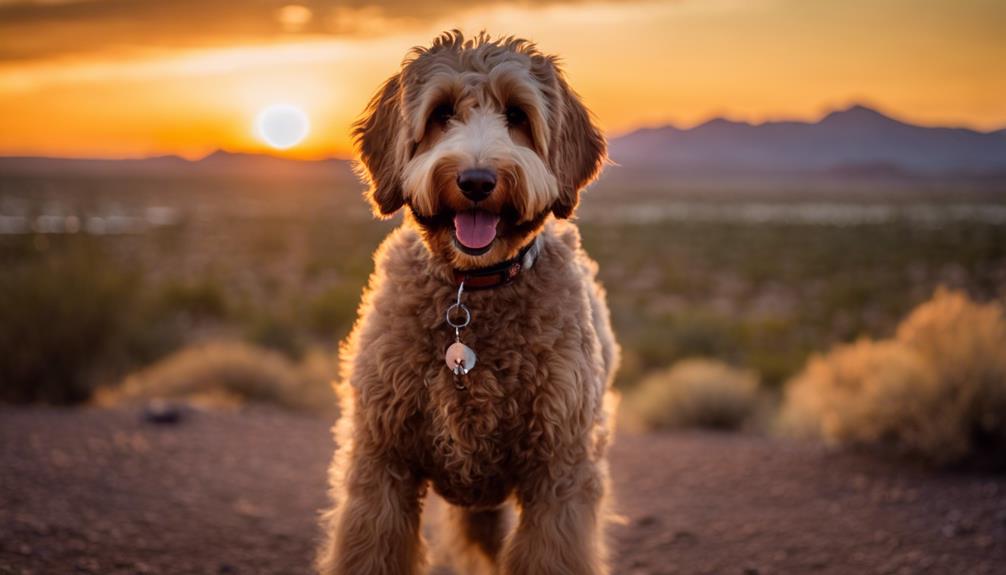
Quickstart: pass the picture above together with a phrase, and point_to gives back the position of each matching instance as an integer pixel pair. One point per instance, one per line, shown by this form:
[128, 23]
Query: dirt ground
[100, 491]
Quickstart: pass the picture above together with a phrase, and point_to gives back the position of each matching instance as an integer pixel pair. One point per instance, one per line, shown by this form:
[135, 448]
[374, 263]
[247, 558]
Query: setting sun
[281, 126]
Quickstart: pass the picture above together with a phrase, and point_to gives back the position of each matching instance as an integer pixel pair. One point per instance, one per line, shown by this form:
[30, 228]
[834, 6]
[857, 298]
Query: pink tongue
[475, 229]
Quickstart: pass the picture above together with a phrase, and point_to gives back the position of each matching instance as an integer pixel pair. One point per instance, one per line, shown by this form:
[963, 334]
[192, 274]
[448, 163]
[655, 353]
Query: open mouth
[475, 230]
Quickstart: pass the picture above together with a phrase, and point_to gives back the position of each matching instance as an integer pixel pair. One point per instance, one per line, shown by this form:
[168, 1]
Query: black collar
[501, 273]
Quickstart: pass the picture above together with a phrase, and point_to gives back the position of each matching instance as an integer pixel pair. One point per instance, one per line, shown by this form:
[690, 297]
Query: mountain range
[854, 140]
[857, 141]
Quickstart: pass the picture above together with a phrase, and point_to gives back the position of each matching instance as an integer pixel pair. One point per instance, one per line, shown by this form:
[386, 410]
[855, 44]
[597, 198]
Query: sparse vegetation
[281, 265]
[67, 319]
[204, 299]
[937, 390]
[700, 393]
[768, 295]
[333, 312]
[276, 332]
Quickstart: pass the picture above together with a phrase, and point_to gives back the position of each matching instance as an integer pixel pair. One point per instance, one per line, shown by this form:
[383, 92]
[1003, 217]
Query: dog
[485, 147]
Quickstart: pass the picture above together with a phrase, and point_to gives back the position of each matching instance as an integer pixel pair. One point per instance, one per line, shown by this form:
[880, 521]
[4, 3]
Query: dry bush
[230, 373]
[863, 393]
[937, 390]
[701, 393]
[965, 344]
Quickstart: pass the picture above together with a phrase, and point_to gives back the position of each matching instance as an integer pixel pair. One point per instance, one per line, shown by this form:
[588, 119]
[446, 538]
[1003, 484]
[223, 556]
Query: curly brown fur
[532, 422]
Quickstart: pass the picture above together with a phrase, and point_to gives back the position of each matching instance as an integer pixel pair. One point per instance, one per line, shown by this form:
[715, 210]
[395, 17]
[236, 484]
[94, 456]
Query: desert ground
[90, 490]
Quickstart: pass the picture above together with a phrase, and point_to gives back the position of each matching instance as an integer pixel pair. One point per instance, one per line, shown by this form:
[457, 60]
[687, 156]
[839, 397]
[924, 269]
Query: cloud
[54, 28]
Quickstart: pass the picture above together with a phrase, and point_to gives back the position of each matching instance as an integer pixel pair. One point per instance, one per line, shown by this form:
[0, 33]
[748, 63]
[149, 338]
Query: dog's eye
[442, 113]
[515, 116]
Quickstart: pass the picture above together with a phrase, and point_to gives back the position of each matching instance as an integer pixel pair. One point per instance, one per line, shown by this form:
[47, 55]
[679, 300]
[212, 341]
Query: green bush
[204, 299]
[332, 313]
[63, 317]
[275, 332]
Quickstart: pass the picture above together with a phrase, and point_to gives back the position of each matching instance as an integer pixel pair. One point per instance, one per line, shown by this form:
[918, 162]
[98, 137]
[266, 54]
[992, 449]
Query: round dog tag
[460, 358]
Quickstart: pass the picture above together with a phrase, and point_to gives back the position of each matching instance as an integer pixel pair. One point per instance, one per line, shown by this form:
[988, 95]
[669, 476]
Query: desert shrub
[66, 314]
[937, 390]
[693, 393]
[863, 393]
[276, 332]
[203, 299]
[965, 344]
[227, 373]
[331, 313]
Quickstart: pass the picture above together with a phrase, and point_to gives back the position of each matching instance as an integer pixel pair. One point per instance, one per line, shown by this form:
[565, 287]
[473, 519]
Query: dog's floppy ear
[577, 150]
[377, 135]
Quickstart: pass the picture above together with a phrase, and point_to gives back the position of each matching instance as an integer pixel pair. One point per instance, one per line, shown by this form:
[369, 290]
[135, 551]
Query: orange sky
[143, 77]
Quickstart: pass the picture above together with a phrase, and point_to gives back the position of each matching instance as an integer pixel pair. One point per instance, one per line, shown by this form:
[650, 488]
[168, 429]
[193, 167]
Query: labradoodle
[482, 357]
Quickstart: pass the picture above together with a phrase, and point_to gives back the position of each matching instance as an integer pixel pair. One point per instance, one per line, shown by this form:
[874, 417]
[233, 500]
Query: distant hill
[857, 140]
[217, 163]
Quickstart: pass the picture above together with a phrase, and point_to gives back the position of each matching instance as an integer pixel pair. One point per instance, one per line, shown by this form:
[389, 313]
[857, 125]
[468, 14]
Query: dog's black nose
[477, 184]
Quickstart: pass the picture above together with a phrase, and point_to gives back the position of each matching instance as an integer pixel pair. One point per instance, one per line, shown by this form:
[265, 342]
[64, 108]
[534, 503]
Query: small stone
[162, 412]
[966, 527]
[684, 536]
[647, 520]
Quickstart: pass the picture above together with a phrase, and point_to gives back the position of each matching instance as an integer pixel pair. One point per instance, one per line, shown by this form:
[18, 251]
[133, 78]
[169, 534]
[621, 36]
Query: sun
[281, 126]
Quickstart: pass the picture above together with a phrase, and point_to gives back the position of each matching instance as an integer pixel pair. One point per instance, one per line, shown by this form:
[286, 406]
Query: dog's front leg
[560, 528]
[374, 528]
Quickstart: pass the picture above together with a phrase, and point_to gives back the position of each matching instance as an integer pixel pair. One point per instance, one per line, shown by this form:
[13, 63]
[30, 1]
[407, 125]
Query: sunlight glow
[164, 89]
[281, 126]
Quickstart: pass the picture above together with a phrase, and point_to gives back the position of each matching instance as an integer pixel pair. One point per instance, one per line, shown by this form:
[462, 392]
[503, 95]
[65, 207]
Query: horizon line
[826, 112]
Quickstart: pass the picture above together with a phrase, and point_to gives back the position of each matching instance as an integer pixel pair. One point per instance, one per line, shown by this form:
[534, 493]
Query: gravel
[232, 492]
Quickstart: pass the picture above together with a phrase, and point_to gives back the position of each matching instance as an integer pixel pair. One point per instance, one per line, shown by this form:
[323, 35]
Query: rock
[647, 520]
[683, 536]
[160, 411]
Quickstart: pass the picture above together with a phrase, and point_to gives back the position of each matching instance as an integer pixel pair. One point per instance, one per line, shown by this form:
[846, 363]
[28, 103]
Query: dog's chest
[474, 426]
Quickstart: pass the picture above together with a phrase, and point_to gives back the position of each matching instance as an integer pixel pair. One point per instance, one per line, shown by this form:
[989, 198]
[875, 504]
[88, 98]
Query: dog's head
[482, 139]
